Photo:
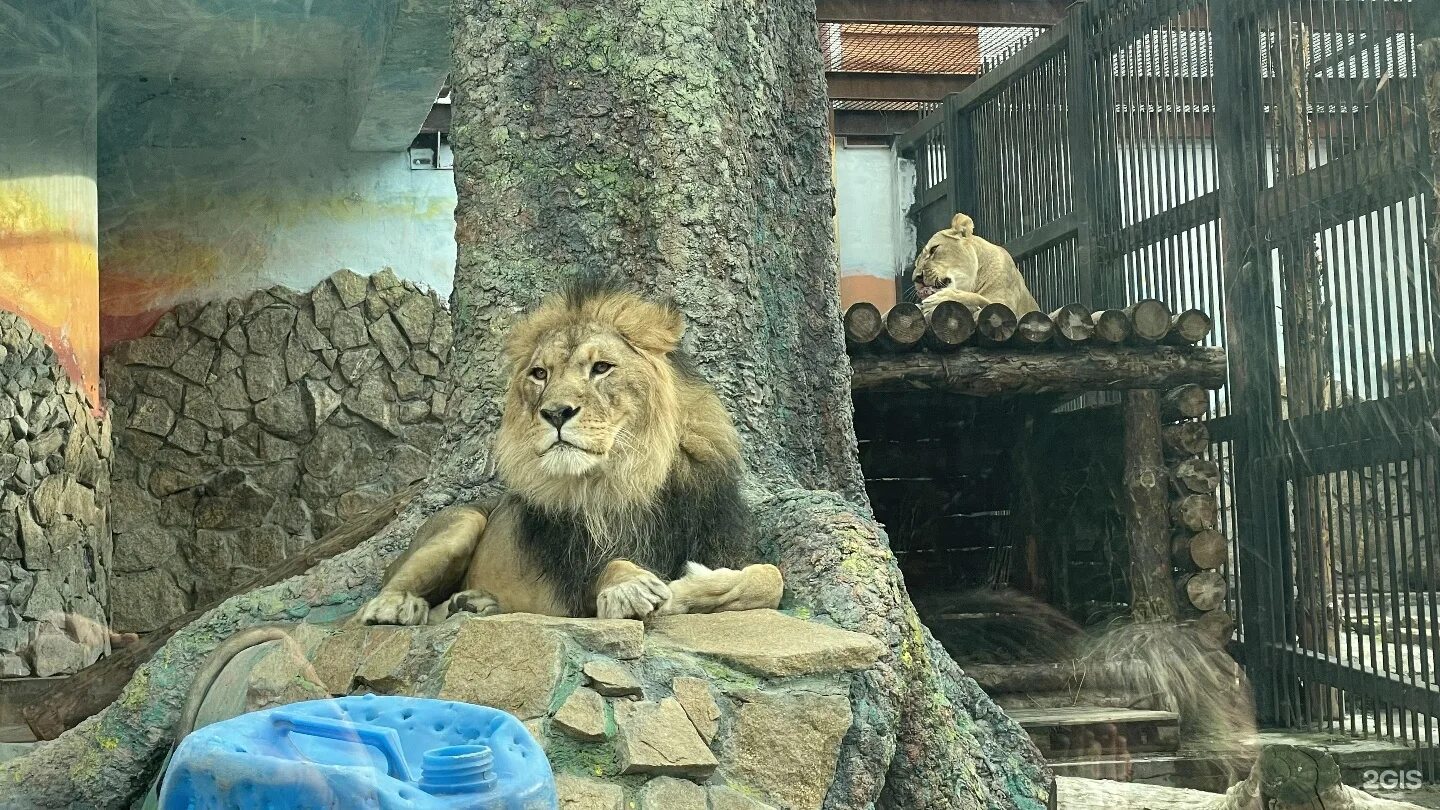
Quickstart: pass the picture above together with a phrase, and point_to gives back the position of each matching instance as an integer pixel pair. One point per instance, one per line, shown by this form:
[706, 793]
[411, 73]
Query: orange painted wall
[49, 269]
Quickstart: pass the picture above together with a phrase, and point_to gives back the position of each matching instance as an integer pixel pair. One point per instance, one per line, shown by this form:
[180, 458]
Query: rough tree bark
[682, 145]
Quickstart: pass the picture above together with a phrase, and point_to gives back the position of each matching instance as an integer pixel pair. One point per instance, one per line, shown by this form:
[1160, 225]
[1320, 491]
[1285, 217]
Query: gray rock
[145, 601]
[152, 415]
[582, 716]
[264, 376]
[240, 506]
[360, 500]
[326, 302]
[230, 392]
[221, 560]
[167, 481]
[46, 443]
[699, 705]
[12, 666]
[426, 363]
[235, 340]
[267, 330]
[442, 338]
[611, 679]
[349, 286]
[409, 385]
[284, 414]
[274, 448]
[404, 466]
[201, 406]
[188, 435]
[196, 362]
[373, 402]
[659, 738]
[356, 362]
[158, 352]
[211, 321]
[161, 383]
[388, 339]
[669, 793]
[416, 317]
[347, 330]
[768, 642]
[385, 279]
[309, 335]
[787, 745]
[298, 359]
[326, 453]
[321, 400]
[439, 405]
[412, 413]
[167, 326]
[582, 793]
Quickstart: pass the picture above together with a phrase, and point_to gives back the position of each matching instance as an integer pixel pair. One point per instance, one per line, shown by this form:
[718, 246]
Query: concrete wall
[202, 200]
[876, 242]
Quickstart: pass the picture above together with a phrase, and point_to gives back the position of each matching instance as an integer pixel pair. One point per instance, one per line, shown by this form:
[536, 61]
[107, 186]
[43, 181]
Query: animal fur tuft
[1004, 626]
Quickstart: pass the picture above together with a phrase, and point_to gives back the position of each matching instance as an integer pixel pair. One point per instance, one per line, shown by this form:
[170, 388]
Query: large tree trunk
[681, 145]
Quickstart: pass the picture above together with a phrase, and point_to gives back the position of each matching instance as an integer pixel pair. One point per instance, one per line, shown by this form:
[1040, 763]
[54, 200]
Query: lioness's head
[948, 258]
[595, 399]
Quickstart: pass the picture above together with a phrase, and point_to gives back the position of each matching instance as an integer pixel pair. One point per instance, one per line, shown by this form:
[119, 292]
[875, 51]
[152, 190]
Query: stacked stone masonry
[685, 714]
[55, 550]
[246, 429]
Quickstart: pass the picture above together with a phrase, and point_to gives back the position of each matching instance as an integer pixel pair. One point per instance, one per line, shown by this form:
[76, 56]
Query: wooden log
[863, 325]
[1185, 439]
[948, 326]
[1184, 402]
[93, 688]
[1188, 328]
[995, 325]
[1111, 326]
[1203, 590]
[1146, 525]
[904, 327]
[1073, 325]
[1199, 551]
[1034, 329]
[1195, 513]
[994, 372]
[1197, 476]
[1149, 320]
[1215, 625]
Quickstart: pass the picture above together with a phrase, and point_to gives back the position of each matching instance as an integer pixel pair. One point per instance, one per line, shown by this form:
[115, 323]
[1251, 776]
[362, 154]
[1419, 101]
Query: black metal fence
[1267, 160]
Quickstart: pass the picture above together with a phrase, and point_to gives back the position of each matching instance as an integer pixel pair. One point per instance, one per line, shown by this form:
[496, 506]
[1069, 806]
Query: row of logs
[950, 325]
[1198, 550]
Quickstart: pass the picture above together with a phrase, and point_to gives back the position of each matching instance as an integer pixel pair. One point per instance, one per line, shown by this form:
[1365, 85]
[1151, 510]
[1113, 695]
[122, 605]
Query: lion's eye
[601, 367]
[538, 374]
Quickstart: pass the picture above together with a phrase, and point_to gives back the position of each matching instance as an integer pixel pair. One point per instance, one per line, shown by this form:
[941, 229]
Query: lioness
[623, 472]
[971, 270]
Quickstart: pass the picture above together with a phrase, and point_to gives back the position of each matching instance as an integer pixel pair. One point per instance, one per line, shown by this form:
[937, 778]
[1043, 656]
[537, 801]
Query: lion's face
[947, 259]
[592, 400]
[582, 395]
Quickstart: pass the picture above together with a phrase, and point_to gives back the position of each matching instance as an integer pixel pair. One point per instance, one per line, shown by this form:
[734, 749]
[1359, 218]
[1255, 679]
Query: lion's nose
[558, 415]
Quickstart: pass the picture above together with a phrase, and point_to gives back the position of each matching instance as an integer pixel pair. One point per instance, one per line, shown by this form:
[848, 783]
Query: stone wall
[246, 429]
[727, 711]
[55, 550]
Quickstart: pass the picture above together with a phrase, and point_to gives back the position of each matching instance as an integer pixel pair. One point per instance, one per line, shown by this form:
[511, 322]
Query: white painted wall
[874, 190]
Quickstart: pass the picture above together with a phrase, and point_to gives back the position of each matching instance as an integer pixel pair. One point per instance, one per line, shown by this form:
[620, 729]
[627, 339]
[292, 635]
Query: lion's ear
[651, 326]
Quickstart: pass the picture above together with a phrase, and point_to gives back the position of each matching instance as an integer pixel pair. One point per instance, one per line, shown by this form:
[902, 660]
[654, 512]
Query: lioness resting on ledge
[623, 472]
[971, 270]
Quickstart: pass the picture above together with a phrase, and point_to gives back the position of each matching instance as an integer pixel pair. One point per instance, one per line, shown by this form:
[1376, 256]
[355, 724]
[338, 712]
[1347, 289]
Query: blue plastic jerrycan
[362, 752]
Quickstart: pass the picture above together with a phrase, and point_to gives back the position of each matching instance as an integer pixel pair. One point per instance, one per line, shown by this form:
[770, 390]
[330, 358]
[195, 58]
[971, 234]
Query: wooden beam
[874, 122]
[998, 372]
[1147, 526]
[863, 85]
[1042, 13]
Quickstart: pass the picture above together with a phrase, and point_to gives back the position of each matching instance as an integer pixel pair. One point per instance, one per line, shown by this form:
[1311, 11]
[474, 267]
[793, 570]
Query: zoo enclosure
[1269, 161]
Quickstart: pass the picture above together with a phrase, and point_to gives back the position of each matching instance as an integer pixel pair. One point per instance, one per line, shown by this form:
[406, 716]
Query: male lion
[970, 270]
[623, 472]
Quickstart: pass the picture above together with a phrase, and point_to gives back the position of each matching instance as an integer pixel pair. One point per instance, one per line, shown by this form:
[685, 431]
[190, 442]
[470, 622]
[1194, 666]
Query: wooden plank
[1066, 716]
[1003, 371]
[843, 85]
[1043, 238]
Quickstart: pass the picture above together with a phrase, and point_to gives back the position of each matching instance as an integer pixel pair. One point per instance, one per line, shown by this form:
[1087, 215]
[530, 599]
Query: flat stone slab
[768, 642]
[617, 638]
[659, 738]
[582, 716]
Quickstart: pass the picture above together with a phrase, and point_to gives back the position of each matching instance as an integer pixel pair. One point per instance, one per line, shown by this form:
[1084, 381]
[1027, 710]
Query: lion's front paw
[479, 602]
[635, 598]
[395, 607]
